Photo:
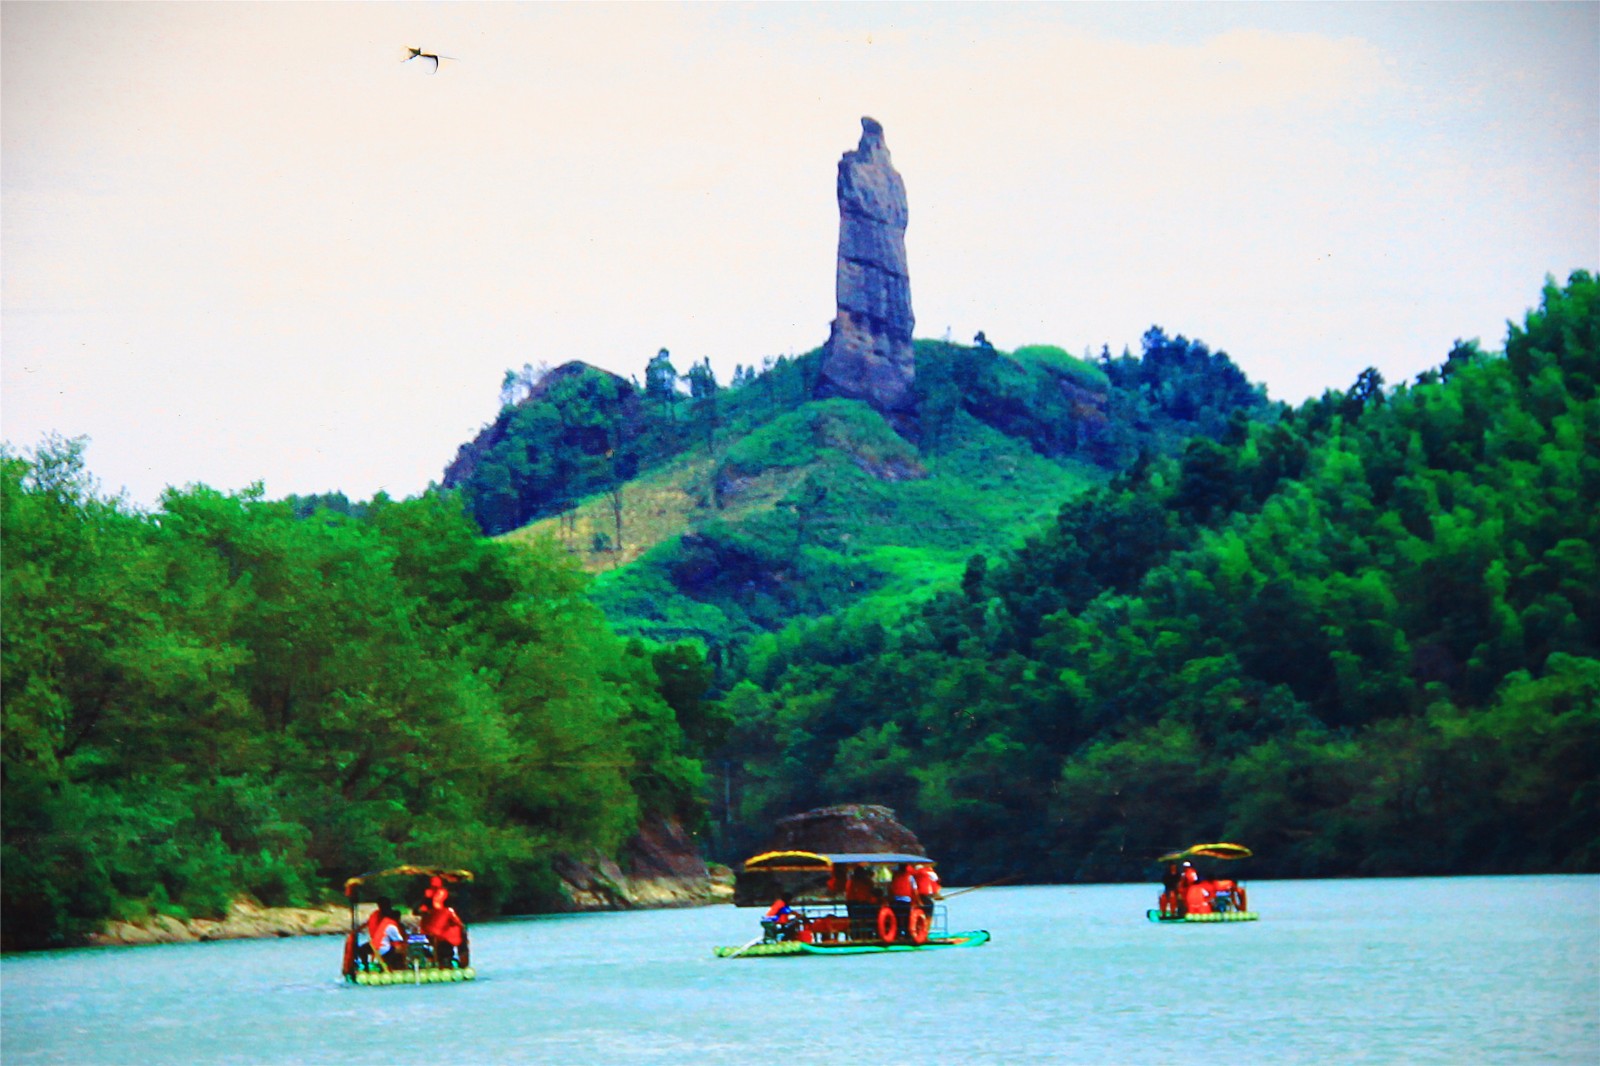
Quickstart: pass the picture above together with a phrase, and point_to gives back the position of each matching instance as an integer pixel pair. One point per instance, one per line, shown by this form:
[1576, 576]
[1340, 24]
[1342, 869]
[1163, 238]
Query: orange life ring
[888, 925]
[917, 926]
[1239, 898]
[349, 954]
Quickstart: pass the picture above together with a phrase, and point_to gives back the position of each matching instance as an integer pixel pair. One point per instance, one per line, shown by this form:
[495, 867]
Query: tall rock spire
[869, 354]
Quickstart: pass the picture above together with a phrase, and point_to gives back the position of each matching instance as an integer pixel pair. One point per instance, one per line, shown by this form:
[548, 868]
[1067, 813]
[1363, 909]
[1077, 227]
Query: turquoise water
[1458, 970]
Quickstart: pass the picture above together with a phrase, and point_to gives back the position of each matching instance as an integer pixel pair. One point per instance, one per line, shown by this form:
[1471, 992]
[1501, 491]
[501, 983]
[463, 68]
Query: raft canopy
[820, 862]
[1209, 851]
[407, 871]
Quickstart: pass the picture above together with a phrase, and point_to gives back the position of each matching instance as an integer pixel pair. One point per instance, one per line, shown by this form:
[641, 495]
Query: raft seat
[830, 928]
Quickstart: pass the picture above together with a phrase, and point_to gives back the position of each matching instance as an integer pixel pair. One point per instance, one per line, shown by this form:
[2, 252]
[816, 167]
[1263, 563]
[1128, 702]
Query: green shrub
[1059, 361]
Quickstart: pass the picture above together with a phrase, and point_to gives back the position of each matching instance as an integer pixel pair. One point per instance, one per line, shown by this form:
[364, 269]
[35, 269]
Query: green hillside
[752, 506]
[1081, 613]
[229, 695]
[1362, 637]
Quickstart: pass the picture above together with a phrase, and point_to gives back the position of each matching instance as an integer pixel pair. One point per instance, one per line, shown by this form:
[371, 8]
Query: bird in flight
[417, 53]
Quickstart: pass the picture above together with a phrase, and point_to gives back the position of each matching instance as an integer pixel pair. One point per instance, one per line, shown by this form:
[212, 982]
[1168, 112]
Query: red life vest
[903, 884]
[1197, 897]
[443, 923]
[376, 926]
[375, 921]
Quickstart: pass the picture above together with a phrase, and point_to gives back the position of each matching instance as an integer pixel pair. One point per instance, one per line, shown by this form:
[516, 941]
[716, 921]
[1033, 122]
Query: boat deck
[771, 948]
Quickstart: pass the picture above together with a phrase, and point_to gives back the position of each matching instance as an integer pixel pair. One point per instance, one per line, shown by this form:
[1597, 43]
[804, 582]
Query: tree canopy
[1362, 635]
[221, 697]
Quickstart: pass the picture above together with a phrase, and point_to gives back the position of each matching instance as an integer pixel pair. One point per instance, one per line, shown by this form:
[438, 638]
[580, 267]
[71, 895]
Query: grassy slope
[666, 502]
[985, 494]
[982, 494]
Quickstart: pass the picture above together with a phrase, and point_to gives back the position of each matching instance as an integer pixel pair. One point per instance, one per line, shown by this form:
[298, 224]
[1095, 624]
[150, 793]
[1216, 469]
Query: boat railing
[832, 919]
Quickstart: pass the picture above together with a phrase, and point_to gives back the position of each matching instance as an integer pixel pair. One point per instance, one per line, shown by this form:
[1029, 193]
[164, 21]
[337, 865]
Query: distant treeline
[576, 431]
[1361, 636]
[220, 697]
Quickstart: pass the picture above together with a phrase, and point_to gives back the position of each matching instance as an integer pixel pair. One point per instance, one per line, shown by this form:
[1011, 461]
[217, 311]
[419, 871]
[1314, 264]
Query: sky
[248, 243]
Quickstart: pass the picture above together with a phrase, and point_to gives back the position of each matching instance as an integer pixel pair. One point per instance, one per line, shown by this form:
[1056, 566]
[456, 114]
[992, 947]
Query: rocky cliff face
[661, 867]
[869, 354]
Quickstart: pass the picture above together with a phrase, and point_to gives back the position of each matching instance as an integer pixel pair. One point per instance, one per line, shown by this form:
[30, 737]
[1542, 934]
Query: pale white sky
[245, 242]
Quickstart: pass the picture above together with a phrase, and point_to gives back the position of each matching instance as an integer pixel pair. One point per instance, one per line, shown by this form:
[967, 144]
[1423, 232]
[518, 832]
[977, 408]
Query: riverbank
[599, 890]
[603, 889]
[246, 919]
[1067, 977]
[660, 867]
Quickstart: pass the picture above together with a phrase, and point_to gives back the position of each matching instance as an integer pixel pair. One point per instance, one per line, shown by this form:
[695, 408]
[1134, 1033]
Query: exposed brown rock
[849, 827]
[869, 355]
[661, 867]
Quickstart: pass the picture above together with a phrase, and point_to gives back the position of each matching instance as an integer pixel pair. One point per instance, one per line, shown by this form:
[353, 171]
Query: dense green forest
[1362, 636]
[1086, 610]
[221, 697]
[230, 695]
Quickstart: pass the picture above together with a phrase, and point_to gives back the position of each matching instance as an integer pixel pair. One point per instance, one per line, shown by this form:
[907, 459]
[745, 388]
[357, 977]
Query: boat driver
[781, 922]
[901, 890]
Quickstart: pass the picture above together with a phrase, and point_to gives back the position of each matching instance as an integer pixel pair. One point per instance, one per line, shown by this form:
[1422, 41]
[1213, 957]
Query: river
[1448, 970]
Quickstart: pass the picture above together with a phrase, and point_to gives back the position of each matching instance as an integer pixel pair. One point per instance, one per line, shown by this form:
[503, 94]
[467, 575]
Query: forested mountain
[220, 698]
[230, 695]
[1363, 637]
[1083, 612]
[730, 511]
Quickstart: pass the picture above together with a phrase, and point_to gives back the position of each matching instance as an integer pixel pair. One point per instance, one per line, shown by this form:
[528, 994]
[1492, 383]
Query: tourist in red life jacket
[861, 903]
[374, 927]
[901, 890]
[386, 941]
[445, 930]
[1188, 894]
[440, 923]
[927, 887]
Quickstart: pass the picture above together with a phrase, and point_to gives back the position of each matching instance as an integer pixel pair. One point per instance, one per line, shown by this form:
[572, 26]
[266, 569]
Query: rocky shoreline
[246, 919]
[659, 868]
